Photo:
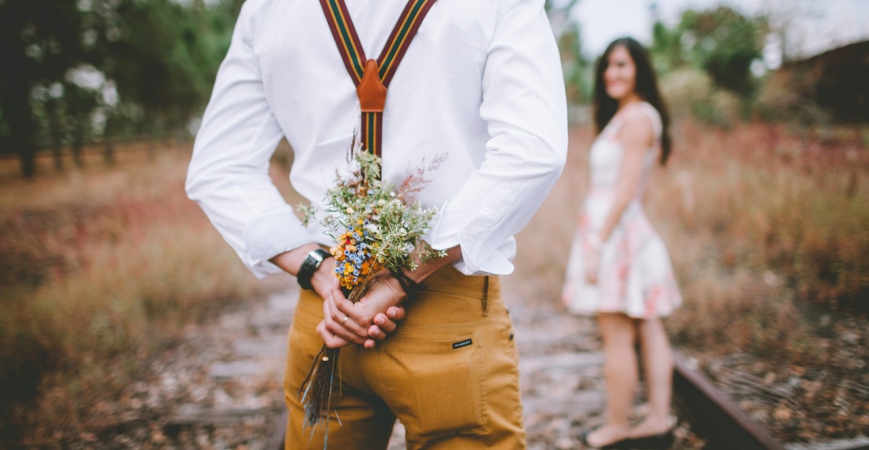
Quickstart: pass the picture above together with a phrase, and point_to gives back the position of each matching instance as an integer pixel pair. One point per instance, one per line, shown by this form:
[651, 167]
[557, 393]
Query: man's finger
[338, 329]
[343, 333]
[348, 308]
[376, 333]
[340, 301]
[330, 339]
[338, 317]
[396, 312]
[383, 322]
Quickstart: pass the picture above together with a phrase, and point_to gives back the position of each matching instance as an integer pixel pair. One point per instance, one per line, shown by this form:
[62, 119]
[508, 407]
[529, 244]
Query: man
[480, 86]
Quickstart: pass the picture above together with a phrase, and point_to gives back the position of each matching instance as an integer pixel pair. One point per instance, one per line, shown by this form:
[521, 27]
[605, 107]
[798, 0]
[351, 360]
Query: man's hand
[370, 319]
[374, 315]
[323, 282]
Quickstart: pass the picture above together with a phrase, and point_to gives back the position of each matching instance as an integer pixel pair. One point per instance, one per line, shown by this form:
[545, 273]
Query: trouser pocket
[436, 387]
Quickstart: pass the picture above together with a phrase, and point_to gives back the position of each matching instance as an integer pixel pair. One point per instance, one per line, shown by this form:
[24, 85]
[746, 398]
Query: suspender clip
[371, 91]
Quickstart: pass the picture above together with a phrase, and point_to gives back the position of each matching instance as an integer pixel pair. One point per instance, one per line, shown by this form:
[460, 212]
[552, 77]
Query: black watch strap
[309, 266]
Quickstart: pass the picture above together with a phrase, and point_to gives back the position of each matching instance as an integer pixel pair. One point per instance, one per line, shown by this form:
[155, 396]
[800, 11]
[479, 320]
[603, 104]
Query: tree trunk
[56, 135]
[27, 157]
[21, 135]
[108, 145]
[78, 144]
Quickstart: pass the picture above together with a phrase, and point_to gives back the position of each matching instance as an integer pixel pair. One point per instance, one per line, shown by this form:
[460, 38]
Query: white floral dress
[636, 276]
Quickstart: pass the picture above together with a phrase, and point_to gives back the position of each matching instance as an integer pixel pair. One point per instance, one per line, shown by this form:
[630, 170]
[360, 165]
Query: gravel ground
[221, 389]
[823, 400]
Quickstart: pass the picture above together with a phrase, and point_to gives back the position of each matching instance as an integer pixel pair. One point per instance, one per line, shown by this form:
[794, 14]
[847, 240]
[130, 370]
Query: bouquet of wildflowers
[377, 227]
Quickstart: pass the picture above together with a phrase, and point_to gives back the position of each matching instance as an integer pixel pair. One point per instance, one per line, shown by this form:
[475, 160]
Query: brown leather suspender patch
[372, 77]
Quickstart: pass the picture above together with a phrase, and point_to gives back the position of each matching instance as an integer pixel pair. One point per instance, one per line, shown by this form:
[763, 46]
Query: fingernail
[375, 332]
[379, 320]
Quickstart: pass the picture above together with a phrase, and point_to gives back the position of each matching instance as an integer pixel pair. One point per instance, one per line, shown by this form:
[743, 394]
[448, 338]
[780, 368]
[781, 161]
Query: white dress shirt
[480, 83]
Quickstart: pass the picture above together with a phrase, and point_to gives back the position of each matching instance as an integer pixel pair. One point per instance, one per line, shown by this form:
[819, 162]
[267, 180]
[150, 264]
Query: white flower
[392, 194]
[381, 202]
[349, 210]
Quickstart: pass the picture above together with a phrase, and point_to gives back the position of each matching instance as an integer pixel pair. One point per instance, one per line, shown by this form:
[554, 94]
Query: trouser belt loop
[485, 296]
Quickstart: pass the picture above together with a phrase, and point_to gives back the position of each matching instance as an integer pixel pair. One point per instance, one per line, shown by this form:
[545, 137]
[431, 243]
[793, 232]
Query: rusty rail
[714, 416]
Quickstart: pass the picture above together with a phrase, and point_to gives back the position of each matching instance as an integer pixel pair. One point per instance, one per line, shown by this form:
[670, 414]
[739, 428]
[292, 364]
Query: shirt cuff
[480, 256]
[270, 235]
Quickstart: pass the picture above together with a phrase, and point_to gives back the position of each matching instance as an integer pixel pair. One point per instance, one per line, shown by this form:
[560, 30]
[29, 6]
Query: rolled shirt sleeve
[228, 173]
[525, 107]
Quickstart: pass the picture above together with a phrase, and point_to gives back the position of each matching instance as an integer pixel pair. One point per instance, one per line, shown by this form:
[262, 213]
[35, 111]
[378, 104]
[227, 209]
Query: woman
[619, 269]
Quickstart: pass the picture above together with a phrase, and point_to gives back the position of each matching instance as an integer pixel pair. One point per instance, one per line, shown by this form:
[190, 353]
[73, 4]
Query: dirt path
[222, 388]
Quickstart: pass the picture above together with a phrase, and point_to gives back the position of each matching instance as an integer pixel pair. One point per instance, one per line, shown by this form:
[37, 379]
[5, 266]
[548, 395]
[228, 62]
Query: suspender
[372, 77]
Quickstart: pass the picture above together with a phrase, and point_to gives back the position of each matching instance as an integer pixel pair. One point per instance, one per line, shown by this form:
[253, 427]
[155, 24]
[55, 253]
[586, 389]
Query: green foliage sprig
[376, 225]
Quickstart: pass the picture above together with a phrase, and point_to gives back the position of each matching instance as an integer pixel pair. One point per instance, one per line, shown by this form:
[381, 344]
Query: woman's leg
[620, 373]
[658, 364]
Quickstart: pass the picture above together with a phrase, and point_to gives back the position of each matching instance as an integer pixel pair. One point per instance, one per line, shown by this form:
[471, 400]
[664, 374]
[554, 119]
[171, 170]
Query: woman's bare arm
[636, 136]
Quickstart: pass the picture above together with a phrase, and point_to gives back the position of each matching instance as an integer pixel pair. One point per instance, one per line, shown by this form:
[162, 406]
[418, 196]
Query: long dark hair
[646, 87]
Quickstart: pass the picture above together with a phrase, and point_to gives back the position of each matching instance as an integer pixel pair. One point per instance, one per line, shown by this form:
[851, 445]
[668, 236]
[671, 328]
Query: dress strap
[372, 77]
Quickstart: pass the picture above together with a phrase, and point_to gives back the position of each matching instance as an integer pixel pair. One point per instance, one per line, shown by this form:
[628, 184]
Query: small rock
[782, 413]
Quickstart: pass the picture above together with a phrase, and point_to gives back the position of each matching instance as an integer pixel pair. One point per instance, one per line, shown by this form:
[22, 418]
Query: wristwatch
[309, 266]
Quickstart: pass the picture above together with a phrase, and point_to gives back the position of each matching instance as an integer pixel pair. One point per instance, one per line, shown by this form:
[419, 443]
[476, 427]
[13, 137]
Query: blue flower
[367, 222]
[346, 252]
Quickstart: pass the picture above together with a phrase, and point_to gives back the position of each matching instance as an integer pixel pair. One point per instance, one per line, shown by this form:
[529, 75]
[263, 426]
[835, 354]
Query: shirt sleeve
[228, 173]
[525, 106]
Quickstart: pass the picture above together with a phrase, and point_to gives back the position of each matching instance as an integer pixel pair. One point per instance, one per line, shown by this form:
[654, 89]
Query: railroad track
[569, 357]
[711, 414]
[562, 383]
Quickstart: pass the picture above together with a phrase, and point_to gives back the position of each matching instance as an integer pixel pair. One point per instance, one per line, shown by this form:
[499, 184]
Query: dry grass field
[761, 225]
[102, 269]
[768, 230]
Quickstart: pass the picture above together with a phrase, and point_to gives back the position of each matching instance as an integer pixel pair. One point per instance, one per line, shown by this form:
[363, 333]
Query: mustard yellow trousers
[449, 373]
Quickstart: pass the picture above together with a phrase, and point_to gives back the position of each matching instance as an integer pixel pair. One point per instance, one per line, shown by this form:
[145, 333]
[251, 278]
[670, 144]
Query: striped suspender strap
[372, 77]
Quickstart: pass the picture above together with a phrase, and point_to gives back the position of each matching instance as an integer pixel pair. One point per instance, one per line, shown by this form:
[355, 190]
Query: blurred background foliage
[86, 71]
[98, 70]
